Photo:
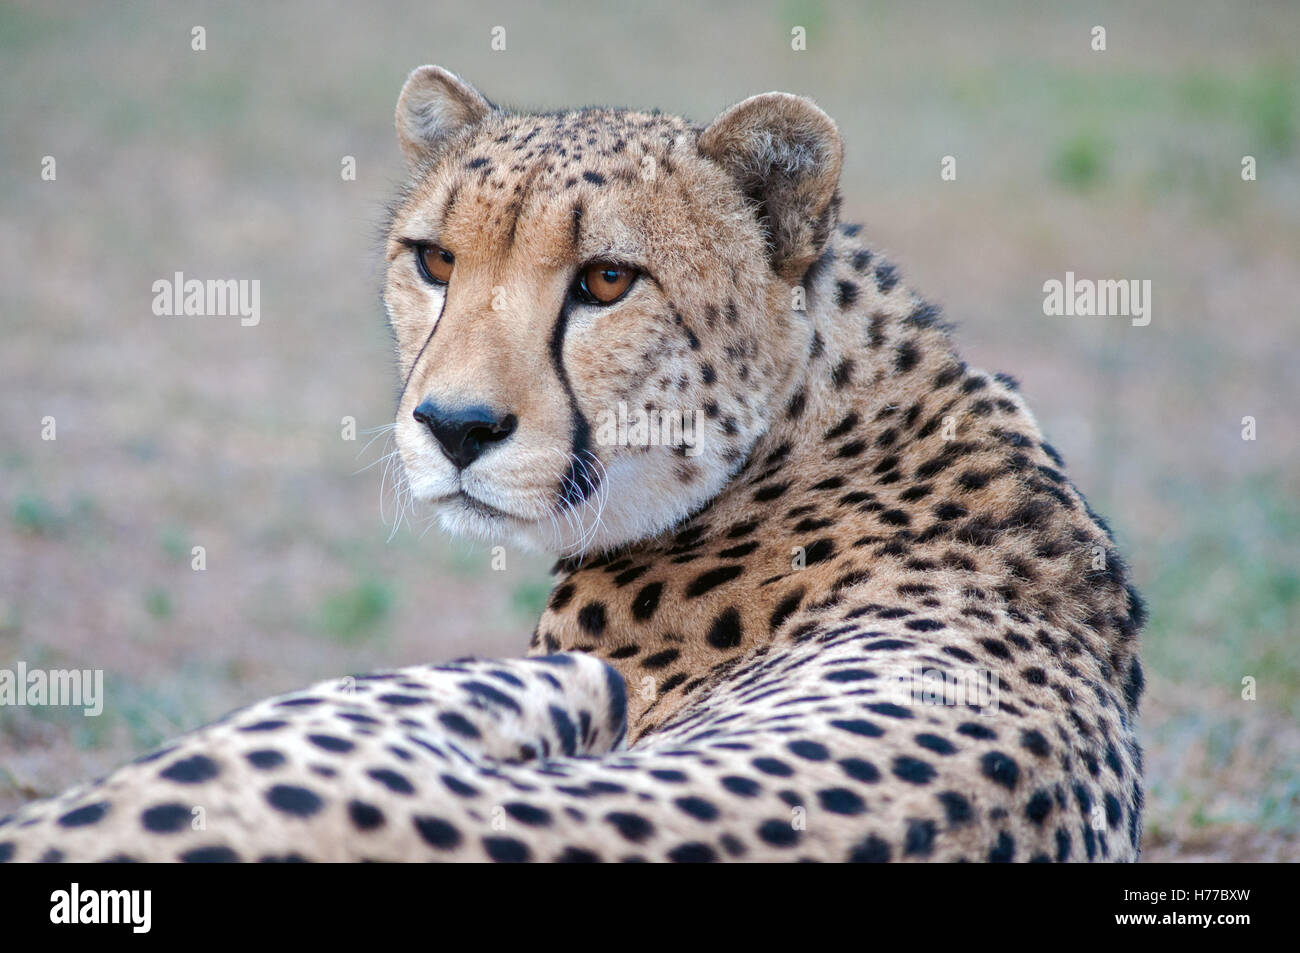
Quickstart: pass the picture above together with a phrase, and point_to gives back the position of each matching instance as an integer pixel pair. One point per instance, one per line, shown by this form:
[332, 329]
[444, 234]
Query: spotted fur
[726, 665]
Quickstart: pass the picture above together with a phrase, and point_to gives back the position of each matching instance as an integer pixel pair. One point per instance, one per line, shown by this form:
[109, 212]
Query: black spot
[630, 575]
[819, 551]
[907, 357]
[270, 725]
[919, 840]
[1000, 768]
[774, 767]
[210, 855]
[924, 625]
[1039, 806]
[872, 850]
[391, 780]
[591, 618]
[1034, 742]
[890, 709]
[565, 729]
[458, 724]
[778, 833]
[670, 775]
[595, 178]
[841, 801]
[1004, 851]
[633, 827]
[936, 744]
[840, 429]
[860, 770]
[725, 633]
[850, 675]
[809, 750]
[192, 770]
[507, 850]
[859, 727]
[647, 601]
[89, 814]
[528, 814]
[577, 855]
[294, 800]
[956, 808]
[365, 816]
[265, 758]
[843, 373]
[660, 659]
[1062, 845]
[886, 278]
[924, 315]
[739, 552]
[692, 853]
[912, 770]
[697, 808]
[1114, 814]
[1133, 684]
[712, 579]
[744, 787]
[166, 818]
[331, 743]
[561, 596]
[846, 294]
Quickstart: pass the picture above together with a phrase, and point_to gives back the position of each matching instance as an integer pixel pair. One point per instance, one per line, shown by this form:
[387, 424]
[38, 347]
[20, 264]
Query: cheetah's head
[550, 277]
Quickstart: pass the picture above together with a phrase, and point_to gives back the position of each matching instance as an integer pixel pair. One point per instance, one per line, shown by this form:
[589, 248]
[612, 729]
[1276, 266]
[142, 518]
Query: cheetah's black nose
[464, 432]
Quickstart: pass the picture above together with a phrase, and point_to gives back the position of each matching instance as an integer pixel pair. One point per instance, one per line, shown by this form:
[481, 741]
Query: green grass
[1225, 599]
[158, 603]
[528, 598]
[355, 613]
[36, 516]
[175, 544]
[1082, 161]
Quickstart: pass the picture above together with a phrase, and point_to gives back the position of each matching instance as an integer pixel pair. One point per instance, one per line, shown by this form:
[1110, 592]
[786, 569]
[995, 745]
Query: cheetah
[863, 615]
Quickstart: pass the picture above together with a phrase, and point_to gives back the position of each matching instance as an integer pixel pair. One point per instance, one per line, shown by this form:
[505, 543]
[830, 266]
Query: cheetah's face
[592, 310]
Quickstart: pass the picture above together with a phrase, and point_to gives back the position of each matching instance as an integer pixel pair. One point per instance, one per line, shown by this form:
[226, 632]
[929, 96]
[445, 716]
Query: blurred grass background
[182, 432]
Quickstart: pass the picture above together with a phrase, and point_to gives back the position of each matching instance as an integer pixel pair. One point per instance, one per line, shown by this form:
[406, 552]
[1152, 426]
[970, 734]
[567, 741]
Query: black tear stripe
[416, 363]
[573, 491]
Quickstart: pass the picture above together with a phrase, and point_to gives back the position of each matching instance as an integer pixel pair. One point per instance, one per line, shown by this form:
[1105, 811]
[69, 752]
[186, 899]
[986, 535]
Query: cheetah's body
[741, 681]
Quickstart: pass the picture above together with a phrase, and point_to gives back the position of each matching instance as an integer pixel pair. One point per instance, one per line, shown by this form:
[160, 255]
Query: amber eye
[603, 282]
[435, 263]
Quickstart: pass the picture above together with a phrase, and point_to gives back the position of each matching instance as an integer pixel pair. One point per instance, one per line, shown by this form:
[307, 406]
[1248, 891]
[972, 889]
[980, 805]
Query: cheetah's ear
[785, 155]
[435, 105]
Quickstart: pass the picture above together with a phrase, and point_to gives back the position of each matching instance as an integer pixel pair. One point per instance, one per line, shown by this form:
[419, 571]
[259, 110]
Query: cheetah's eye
[435, 263]
[603, 282]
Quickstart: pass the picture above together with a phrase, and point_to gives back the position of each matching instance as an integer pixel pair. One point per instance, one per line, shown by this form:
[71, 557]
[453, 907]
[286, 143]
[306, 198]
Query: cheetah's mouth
[475, 505]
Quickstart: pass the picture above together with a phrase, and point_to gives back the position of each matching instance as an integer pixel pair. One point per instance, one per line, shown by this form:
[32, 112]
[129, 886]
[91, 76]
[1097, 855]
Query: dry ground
[180, 432]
